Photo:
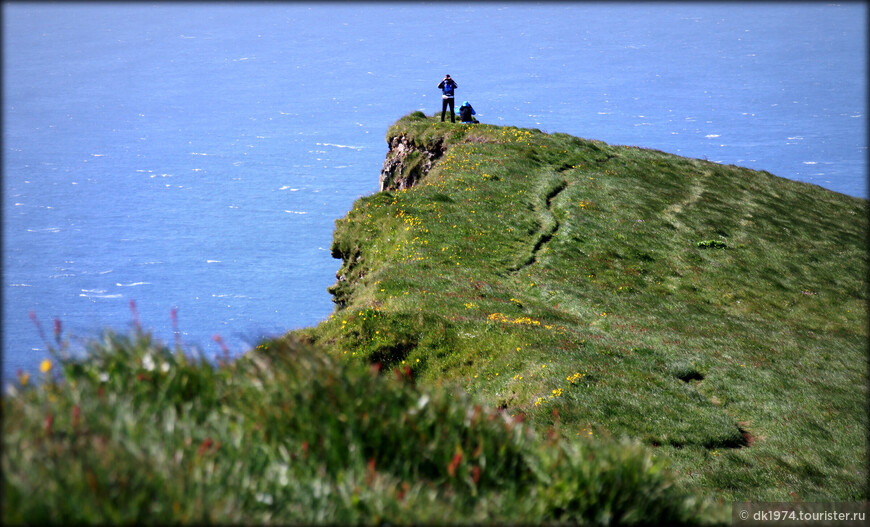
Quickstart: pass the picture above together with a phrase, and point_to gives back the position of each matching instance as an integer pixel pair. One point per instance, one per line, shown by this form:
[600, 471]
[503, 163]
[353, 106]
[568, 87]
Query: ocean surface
[195, 155]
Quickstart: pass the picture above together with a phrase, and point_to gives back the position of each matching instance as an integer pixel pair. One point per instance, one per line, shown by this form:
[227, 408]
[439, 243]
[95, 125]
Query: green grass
[140, 433]
[543, 329]
[715, 313]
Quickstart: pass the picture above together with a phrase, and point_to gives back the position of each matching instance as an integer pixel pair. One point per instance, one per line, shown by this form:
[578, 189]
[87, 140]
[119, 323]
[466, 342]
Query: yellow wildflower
[45, 366]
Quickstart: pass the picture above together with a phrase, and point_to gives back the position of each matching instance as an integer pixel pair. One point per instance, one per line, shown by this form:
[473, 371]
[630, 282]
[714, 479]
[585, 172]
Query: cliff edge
[716, 313]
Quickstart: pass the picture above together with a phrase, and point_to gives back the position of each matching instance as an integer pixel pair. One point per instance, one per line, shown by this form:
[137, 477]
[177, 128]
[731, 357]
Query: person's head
[447, 76]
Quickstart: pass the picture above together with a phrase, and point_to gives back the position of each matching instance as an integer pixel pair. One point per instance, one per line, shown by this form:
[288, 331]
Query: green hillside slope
[715, 313]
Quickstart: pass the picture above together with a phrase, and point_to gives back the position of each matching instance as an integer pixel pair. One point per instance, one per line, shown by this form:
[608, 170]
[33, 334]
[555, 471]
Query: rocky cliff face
[407, 163]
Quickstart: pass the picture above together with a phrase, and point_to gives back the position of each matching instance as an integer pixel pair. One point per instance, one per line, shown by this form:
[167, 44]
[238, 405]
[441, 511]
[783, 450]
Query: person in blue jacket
[447, 86]
[466, 112]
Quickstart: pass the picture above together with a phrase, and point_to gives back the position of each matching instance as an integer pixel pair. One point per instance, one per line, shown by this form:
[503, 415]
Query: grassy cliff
[531, 328]
[716, 313]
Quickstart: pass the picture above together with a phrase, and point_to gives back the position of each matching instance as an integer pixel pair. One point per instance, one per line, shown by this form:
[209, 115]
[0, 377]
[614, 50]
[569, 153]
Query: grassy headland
[715, 313]
[531, 332]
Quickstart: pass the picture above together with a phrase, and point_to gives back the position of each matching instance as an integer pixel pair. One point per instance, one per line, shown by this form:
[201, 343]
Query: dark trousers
[444, 103]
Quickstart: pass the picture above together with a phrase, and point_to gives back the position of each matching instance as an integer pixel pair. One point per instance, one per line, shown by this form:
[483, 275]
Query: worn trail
[546, 232]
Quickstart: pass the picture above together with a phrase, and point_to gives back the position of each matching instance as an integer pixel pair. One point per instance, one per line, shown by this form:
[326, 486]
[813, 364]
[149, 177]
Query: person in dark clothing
[447, 86]
[466, 113]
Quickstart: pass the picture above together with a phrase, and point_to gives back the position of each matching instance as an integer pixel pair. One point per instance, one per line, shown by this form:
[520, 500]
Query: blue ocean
[194, 156]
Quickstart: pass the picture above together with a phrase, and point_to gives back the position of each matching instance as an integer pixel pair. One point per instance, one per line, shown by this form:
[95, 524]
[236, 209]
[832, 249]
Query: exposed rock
[352, 271]
[407, 163]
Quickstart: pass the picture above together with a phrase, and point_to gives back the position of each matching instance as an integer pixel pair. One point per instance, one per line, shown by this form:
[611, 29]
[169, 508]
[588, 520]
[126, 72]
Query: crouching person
[467, 113]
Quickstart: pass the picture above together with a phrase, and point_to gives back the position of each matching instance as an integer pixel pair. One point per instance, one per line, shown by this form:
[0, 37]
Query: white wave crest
[88, 295]
[341, 146]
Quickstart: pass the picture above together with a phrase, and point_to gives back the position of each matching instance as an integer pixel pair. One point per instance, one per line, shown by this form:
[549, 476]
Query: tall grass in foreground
[139, 432]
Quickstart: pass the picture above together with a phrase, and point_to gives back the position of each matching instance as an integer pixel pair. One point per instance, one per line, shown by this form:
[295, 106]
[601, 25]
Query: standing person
[447, 86]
